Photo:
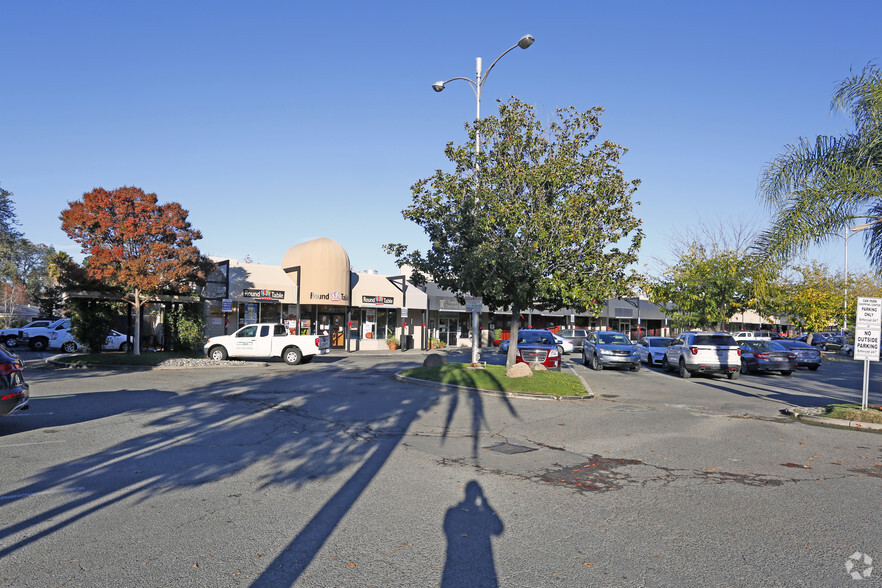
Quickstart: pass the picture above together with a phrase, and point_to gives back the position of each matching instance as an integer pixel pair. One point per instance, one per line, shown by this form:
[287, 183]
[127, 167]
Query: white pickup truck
[9, 337]
[37, 338]
[268, 340]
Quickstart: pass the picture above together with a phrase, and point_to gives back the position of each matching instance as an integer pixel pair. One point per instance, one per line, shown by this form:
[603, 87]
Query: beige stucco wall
[324, 272]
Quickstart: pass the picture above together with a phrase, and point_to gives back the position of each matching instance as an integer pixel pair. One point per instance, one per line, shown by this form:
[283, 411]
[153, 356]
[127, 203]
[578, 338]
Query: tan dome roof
[324, 271]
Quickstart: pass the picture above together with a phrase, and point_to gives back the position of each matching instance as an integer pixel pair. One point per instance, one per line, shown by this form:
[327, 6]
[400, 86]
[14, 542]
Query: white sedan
[564, 345]
[652, 349]
[63, 340]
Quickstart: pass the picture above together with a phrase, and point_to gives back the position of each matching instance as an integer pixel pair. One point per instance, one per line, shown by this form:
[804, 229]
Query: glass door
[448, 330]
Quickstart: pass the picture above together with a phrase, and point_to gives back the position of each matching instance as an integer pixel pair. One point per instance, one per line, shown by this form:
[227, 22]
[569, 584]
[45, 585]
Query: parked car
[695, 352]
[835, 343]
[652, 349]
[766, 356]
[602, 349]
[536, 346]
[575, 335]
[14, 392]
[63, 339]
[756, 335]
[806, 355]
[9, 337]
[564, 345]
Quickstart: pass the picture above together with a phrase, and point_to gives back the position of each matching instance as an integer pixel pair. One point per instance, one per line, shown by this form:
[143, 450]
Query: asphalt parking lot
[335, 474]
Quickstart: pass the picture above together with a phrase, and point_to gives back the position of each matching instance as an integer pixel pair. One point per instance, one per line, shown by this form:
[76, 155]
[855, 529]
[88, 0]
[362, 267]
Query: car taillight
[791, 356]
[738, 351]
[8, 368]
[761, 355]
[694, 350]
[317, 341]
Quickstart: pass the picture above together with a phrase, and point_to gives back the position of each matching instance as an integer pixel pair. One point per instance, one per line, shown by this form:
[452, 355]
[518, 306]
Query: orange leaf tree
[132, 242]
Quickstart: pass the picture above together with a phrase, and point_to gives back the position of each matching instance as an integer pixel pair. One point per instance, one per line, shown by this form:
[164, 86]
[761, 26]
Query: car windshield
[660, 342]
[613, 339]
[714, 340]
[534, 338]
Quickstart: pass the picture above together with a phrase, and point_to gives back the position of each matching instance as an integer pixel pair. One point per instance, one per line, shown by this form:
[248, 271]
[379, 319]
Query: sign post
[868, 328]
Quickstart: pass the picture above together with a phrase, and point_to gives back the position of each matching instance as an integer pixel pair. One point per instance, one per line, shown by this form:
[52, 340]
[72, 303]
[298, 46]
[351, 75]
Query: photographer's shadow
[469, 527]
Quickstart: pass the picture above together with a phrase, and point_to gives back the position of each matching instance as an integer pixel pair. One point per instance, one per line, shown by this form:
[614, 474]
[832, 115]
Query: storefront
[314, 291]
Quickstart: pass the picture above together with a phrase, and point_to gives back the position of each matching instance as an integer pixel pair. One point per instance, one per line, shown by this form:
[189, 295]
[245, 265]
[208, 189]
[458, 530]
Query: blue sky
[278, 122]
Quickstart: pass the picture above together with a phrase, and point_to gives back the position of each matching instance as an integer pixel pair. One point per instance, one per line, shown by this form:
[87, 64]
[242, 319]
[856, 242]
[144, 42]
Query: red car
[14, 394]
[538, 346]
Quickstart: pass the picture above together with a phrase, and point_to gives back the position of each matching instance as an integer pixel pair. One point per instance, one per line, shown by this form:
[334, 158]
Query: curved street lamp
[478, 86]
[478, 83]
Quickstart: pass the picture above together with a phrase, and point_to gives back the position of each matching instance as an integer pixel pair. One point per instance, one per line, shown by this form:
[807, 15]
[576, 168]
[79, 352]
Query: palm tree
[818, 189]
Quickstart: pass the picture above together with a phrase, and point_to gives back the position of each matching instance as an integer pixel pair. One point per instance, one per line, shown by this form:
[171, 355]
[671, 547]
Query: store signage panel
[378, 300]
[328, 296]
[263, 294]
[449, 304]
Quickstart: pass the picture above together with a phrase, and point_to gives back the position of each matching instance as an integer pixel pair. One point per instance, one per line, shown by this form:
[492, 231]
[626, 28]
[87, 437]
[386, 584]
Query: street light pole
[478, 87]
[849, 232]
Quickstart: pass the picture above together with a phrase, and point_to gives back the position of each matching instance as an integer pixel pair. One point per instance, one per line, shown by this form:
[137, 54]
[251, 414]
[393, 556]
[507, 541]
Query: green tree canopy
[821, 187]
[707, 286]
[540, 218]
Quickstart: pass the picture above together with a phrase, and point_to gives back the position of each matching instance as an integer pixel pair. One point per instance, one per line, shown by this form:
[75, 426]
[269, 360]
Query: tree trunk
[513, 340]
[136, 344]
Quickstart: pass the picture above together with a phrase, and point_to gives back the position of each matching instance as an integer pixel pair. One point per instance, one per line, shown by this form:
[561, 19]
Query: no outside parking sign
[868, 329]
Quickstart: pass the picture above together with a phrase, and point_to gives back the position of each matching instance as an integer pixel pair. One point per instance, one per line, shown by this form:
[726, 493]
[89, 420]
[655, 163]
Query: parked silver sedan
[652, 349]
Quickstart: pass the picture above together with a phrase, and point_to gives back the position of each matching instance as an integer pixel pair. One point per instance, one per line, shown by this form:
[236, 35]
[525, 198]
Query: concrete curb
[796, 412]
[455, 388]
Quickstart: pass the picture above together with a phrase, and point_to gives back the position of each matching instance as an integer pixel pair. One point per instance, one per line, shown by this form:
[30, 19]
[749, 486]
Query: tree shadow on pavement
[302, 425]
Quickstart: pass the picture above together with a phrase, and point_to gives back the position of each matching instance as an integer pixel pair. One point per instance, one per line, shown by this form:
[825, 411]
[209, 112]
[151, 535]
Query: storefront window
[387, 320]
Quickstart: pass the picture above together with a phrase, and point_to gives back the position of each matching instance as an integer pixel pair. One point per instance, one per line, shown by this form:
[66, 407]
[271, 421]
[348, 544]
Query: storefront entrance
[448, 330]
[332, 324]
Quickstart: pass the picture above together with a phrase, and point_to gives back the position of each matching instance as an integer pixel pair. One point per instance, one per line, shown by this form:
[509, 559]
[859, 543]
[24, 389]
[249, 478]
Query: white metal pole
[845, 299]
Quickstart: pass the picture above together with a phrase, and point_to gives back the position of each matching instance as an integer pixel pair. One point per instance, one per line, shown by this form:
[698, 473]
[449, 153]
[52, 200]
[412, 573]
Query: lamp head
[438, 86]
[526, 41]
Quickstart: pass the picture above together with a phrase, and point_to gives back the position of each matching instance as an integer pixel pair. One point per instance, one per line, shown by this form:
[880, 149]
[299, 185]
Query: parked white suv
[702, 352]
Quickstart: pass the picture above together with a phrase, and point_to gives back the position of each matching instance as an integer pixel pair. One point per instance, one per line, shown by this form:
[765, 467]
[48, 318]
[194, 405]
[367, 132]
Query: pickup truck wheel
[11, 341]
[217, 353]
[69, 347]
[292, 356]
[684, 373]
[39, 344]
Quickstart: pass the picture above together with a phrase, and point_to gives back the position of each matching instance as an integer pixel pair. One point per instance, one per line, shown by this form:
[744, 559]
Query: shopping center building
[315, 291]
